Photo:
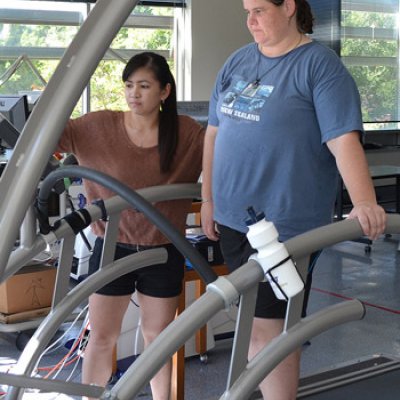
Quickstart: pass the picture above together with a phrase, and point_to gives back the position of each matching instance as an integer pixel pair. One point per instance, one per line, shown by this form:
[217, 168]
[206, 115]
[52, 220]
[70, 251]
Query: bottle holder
[276, 287]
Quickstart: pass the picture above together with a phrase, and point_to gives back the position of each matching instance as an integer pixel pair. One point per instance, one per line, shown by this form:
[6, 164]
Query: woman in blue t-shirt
[284, 119]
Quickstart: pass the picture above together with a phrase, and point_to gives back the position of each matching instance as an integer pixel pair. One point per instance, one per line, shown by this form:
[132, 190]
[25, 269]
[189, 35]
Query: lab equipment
[15, 109]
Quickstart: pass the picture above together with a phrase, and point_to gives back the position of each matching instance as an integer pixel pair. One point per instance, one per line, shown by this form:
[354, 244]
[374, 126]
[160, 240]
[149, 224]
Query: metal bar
[243, 327]
[325, 236]
[50, 385]
[295, 304]
[64, 269]
[280, 347]
[28, 228]
[164, 346]
[110, 238]
[55, 53]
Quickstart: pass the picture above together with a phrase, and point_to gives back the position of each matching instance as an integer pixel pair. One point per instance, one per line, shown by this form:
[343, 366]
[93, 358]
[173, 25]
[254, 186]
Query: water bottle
[273, 257]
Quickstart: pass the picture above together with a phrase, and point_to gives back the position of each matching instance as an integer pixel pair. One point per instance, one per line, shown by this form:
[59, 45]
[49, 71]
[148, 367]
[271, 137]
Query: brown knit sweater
[99, 141]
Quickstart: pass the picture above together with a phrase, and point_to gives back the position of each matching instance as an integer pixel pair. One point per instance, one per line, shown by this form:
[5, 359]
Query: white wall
[213, 30]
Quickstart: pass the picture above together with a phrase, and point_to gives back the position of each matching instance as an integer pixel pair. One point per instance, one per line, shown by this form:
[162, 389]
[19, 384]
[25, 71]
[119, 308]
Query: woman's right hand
[207, 220]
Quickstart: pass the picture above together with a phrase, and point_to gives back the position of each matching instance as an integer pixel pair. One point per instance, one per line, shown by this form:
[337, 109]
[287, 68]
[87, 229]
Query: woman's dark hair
[168, 123]
[304, 18]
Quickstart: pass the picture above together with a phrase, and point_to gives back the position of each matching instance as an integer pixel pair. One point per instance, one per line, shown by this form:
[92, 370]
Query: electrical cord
[66, 332]
[67, 360]
[70, 376]
[52, 347]
[64, 361]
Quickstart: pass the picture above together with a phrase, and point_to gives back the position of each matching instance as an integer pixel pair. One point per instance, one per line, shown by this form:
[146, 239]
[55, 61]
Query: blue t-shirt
[274, 117]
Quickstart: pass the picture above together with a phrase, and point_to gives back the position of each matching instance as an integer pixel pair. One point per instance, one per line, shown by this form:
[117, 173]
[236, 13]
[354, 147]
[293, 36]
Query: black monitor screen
[8, 133]
[198, 110]
[15, 109]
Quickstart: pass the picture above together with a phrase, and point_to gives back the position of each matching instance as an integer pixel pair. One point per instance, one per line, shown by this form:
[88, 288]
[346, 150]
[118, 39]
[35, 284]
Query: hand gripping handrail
[349, 229]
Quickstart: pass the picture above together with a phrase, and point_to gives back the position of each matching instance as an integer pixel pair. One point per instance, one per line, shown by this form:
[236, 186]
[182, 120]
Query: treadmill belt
[374, 378]
[380, 387]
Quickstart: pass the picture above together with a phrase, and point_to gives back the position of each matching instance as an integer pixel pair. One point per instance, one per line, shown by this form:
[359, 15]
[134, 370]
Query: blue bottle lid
[81, 200]
[253, 216]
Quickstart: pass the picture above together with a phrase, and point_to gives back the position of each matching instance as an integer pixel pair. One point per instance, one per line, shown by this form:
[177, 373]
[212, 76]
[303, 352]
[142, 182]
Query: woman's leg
[105, 315]
[282, 382]
[157, 314]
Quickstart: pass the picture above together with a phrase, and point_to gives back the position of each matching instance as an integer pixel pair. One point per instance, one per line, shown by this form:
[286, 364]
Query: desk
[388, 171]
[377, 172]
[178, 360]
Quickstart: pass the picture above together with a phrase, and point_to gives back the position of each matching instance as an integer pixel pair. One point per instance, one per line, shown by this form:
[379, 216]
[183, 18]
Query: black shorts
[236, 251]
[161, 280]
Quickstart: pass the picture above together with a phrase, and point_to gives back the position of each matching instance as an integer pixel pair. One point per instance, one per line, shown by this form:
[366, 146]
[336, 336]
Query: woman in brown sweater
[146, 146]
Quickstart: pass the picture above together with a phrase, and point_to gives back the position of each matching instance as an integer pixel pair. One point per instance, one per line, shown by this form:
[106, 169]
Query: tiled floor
[343, 271]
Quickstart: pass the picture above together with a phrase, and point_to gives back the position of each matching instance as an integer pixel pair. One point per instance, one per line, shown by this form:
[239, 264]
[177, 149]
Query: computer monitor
[15, 109]
[198, 110]
[9, 134]
[13, 115]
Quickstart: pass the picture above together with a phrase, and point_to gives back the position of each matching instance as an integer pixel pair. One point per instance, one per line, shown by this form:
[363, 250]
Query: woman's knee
[149, 335]
[103, 339]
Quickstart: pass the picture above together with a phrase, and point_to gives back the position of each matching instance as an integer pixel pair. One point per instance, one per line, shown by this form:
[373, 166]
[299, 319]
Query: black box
[209, 249]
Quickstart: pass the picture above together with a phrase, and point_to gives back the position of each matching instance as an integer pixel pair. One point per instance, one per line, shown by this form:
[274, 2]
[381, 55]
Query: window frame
[75, 19]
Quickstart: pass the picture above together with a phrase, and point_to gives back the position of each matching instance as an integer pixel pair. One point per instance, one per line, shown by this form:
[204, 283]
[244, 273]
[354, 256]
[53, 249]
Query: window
[163, 3]
[370, 50]
[35, 34]
[365, 33]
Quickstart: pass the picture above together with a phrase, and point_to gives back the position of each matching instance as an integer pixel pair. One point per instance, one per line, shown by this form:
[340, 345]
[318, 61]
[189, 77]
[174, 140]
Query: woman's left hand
[372, 218]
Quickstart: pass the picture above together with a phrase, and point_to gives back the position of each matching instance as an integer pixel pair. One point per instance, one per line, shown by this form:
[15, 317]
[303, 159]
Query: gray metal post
[243, 326]
[51, 385]
[110, 238]
[64, 269]
[295, 304]
[28, 228]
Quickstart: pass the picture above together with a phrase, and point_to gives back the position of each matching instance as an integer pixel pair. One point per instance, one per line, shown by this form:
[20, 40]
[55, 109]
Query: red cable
[60, 363]
[340, 296]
